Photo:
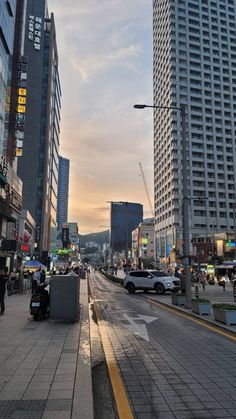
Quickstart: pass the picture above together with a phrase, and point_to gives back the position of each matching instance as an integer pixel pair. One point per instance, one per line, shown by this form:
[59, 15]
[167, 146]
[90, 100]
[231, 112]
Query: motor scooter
[39, 303]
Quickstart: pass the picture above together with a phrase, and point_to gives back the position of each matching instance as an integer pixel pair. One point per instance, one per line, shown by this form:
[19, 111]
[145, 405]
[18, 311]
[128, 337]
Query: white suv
[158, 281]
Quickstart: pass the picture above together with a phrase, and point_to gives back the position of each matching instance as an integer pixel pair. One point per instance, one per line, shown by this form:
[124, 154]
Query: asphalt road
[170, 366]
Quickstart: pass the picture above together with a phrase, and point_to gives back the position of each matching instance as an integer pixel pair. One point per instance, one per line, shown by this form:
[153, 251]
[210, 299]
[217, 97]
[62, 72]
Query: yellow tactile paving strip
[120, 395]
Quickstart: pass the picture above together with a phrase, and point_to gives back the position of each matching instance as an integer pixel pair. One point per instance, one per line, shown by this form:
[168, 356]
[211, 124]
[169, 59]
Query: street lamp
[185, 201]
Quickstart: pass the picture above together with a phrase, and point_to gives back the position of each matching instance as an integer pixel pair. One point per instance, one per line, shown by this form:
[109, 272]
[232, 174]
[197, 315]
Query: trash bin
[64, 297]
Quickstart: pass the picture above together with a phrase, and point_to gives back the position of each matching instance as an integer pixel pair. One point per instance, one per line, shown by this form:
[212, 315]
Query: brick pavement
[183, 372]
[213, 293]
[45, 370]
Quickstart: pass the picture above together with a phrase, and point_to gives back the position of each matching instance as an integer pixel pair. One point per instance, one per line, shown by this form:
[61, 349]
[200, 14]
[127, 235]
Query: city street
[170, 367]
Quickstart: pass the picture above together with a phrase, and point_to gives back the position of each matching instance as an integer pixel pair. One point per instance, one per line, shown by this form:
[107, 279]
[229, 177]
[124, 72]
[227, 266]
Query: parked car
[154, 280]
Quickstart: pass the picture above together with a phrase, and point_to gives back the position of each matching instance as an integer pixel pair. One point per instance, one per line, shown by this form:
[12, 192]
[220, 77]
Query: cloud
[105, 57]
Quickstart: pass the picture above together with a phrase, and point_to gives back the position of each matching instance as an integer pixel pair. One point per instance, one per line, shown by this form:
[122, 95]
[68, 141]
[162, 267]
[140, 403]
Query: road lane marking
[137, 328]
[190, 317]
[121, 398]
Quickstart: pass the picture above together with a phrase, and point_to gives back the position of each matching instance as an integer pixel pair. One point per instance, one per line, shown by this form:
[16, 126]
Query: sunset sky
[105, 64]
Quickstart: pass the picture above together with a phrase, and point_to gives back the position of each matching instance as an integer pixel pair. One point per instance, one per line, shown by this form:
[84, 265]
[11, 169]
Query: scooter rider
[36, 280]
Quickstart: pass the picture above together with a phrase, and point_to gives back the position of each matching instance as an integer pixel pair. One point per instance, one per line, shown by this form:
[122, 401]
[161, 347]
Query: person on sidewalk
[42, 276]
[4, 276]
[36, 280]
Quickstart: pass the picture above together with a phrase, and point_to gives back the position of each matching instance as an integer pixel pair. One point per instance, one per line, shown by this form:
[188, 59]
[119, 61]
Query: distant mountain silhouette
[100, 238]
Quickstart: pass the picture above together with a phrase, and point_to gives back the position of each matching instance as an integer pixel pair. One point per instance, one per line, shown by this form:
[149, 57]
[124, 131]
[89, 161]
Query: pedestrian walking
[223, 284]
[4, 276]
[233, 278]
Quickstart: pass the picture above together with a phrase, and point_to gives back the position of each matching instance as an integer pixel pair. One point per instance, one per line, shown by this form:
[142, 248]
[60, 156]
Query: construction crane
[146, 189]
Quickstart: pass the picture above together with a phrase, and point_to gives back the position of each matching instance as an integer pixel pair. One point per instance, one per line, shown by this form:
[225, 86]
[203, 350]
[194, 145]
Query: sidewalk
[45, 368]
[214, 293]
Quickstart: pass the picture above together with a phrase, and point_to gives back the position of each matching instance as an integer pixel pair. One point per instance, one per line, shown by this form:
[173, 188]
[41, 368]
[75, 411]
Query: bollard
[196, 291]
[203, 286]
[223, 285]
[234, 291]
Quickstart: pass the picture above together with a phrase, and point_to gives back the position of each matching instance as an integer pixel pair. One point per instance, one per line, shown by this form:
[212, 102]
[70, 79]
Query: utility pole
[185, 211]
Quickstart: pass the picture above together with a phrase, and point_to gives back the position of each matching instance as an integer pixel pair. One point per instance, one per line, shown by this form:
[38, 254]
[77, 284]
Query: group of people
[26, 277]
[203, 278]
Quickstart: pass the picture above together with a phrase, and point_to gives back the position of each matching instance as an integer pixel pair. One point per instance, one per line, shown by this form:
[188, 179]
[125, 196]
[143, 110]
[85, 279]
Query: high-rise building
[194, 47]
[10, 184]
[125, 217]
[63, 191]
[38, 164]
[7, 25]
[18, 90]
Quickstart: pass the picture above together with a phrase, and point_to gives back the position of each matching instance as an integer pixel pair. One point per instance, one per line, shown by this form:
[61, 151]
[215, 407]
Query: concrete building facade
[143, 248]
[194, 50]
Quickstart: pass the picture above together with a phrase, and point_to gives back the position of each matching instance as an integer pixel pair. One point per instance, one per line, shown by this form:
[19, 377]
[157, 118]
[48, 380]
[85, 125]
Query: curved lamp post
[185, 201]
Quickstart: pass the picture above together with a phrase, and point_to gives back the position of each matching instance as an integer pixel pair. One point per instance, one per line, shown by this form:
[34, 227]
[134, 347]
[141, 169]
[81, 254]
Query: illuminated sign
[22, 100]
[22, 92]
[144, 240]
[25, 248]
[20, 118]
[21, 109]
[35, 31]
[19, 152]
[62, 251]
[19, 143]
[230, 244]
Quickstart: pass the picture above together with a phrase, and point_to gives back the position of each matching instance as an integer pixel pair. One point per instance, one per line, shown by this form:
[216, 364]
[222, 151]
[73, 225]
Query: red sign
[25, 248]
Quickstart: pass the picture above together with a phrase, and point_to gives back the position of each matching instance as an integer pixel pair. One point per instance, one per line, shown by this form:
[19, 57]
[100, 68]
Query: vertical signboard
[21, 106]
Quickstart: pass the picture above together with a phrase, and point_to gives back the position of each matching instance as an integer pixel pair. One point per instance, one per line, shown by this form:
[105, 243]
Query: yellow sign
[210, 269]
[144, 240]
[20, 109]
[19, 152]
[22, 100]
[22, 92]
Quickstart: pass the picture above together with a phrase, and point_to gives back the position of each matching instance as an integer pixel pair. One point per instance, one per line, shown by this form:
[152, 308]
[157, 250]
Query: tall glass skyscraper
[63, 191]
[194, 48]
[38, 165]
